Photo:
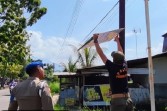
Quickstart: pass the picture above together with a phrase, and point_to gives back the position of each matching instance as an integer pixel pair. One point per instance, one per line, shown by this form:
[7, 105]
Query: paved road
[4, 99]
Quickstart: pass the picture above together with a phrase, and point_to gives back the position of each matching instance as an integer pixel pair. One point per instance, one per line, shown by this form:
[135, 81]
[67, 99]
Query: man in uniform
[26, 96]
[120, 98]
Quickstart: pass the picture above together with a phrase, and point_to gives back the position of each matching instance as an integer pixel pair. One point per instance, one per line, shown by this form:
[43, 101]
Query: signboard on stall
[96, 95]
[100, 95]
[69, 101]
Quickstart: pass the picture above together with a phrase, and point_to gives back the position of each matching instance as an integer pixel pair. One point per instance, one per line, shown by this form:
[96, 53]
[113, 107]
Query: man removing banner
[103, 37]
[120, 98]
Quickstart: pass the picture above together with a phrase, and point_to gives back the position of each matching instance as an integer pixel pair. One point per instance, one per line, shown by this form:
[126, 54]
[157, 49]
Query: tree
[87, 57]
[15, 17]
[70, 66]
[49, 70]
[14, 70]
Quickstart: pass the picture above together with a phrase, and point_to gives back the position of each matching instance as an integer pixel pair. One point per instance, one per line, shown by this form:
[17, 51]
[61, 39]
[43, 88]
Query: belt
[121, 95]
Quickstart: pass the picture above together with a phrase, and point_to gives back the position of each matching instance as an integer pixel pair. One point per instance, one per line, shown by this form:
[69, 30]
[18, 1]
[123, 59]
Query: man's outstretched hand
[116, 39]
[95, 37]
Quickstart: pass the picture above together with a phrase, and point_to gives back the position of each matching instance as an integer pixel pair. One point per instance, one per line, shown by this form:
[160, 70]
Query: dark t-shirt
[118, 85]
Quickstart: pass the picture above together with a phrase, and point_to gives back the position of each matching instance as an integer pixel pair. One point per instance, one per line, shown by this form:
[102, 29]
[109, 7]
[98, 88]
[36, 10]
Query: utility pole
[150, 64]
[122, 23]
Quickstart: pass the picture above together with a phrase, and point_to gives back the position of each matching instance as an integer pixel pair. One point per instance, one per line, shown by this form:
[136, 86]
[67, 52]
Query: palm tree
[71, 66]
[87, 57]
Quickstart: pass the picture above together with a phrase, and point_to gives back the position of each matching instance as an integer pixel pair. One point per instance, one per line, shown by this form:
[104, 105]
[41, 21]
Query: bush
[57, 107]
[54, 87]
[161, 107]
[55, 79]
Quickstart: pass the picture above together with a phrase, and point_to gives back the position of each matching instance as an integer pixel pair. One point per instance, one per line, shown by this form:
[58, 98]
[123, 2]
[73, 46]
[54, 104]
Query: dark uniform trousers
[122, 104]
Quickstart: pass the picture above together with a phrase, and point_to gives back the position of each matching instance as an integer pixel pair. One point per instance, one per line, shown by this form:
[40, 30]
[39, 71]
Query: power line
[101, 21]
[72, 23]
[111, 16]
[110, 19]
[74, 18]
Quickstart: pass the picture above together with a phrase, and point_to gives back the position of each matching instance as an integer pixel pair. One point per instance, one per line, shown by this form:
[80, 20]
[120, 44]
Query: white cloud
[50, 49]
[132, 54]
[157, 49]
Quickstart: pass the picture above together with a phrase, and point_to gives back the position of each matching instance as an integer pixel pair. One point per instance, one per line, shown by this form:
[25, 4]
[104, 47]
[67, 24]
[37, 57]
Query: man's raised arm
[118, 44]
[98, 48]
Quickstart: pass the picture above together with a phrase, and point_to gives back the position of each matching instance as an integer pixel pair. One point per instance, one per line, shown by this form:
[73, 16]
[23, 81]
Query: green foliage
[54, 87]
[57, 107]
[49, 71]
[86, 57]
[161, 106]
[13, 34]
[71, 66]
[14, 70]
[90, 56]
[36, 15]
[10, 70]
[52, 79]
[55, 79]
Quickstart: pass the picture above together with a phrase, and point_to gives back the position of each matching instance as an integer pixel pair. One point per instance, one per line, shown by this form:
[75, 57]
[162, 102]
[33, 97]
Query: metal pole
[122, 23]
[150, 64]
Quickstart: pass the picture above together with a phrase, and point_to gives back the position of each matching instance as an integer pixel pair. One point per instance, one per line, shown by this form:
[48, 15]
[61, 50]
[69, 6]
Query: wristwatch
[96, 41]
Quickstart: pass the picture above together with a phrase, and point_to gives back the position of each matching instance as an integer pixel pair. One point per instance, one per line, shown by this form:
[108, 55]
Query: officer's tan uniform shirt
[27, 96]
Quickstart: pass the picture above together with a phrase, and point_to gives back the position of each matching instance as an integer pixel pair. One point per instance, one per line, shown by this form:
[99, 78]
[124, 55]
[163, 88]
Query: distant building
[164, 43]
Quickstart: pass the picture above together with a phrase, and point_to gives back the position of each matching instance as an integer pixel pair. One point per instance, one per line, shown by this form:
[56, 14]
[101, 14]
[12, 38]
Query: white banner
[103, 37]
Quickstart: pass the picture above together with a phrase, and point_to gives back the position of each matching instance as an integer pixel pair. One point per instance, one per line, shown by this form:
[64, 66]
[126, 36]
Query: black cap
[118, 56]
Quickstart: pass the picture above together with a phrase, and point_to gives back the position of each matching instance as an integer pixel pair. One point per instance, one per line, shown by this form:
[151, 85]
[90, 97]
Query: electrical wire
[109, 20]
[100, 21]
[74, 18]
[111, 16]
[75, 14]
